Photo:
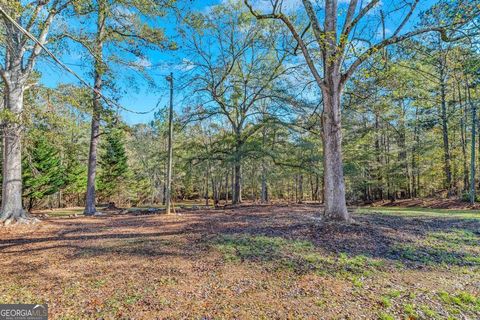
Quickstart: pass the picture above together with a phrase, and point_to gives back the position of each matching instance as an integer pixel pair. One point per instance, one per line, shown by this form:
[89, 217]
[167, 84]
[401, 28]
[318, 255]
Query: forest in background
[409, 118]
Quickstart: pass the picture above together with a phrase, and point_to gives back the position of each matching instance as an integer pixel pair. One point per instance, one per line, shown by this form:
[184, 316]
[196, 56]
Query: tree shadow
[289, 235]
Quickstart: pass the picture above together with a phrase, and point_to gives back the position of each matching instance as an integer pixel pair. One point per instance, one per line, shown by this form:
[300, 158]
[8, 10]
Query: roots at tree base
[17, 217]
[335, 217]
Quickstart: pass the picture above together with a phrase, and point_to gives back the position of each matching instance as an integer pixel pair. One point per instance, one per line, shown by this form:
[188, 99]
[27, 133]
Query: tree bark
[446, 148]
[264, 191]
[463, 135]
[334, 185]
[472, 163]
[207, 176]
[90, 208]
[300, 188]
[12, 208]
[99, 68]
[237, 195]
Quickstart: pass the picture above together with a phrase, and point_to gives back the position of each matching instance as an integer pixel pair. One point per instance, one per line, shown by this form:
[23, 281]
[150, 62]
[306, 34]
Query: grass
[295, 256]
[421, 212]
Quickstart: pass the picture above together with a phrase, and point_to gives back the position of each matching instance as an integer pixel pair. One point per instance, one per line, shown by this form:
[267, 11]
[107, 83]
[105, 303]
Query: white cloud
[288, 6]
[143, 63]
[264, 6]
[186, 65]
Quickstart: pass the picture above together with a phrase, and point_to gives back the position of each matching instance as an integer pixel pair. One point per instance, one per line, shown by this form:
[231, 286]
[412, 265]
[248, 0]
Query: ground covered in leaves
[252, 262]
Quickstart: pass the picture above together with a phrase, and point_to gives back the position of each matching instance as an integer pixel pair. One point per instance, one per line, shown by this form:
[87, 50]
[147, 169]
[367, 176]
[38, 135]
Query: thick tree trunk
[12, 208]
[237, 195]
[237, 168]
[334, 184]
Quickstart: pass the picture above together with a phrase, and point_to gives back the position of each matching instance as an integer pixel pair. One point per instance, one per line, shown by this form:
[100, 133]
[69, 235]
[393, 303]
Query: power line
[64, 66]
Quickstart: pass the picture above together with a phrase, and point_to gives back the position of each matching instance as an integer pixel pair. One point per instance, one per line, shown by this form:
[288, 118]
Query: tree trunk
[226, 188]
[300, 188]
[12, 208]
[446, 148]
[215, 192]
[264, 186]
[463, 134]
[334, 184]
[233, 184]
[207, 196]
[90, 208]
[237, 195]
[472, 163]
[99, 69]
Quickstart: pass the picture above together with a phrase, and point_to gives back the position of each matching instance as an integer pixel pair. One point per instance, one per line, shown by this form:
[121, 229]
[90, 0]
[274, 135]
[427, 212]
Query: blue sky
[138, 96]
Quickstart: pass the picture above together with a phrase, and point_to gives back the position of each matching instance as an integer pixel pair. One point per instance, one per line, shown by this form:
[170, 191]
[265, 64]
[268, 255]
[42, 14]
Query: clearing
[251, 262]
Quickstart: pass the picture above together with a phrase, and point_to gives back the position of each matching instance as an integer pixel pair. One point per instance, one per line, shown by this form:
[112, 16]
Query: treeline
[408, 133]
[267, 106]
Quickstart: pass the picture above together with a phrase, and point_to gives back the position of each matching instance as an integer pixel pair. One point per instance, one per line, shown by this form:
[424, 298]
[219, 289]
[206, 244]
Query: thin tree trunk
[226, 188]
[446, 148]
[264, 186]
[206, 185]
[233, 184]
[300, 188]
[168, 193]
[463, 134]
[472, 164]
[99, 67]
[414, 155]
[215, 192]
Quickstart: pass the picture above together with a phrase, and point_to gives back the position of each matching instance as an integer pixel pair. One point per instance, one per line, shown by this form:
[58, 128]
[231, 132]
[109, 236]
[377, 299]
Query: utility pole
[168, 193]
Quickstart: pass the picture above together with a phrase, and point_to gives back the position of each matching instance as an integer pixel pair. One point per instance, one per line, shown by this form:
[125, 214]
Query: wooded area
[324, 106]
[253, 93]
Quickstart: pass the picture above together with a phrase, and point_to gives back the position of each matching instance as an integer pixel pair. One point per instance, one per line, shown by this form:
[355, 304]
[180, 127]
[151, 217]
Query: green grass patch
[421, 212]
[294, 255]
[457, 247]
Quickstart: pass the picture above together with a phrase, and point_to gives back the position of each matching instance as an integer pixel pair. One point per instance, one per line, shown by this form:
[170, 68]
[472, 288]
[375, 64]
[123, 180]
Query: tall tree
[233, 78]
[121, 35]
[338, 60]
[43, 172]
[113, 162]
[20, 55]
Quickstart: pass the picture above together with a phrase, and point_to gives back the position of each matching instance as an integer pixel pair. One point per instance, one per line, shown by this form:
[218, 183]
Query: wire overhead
[109, 101]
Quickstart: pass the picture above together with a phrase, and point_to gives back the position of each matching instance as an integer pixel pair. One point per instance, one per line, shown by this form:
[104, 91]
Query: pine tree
[43, 173]
[113, 162]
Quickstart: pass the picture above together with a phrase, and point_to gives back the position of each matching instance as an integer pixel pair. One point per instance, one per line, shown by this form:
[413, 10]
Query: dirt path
[245, 263]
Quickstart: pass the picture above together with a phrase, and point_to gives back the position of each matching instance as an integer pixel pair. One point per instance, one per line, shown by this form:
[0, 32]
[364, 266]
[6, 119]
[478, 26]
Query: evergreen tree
[113, 162]
[43, 173]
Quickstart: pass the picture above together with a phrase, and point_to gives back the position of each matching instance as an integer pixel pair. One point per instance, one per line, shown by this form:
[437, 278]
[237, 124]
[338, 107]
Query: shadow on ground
[287, 236]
